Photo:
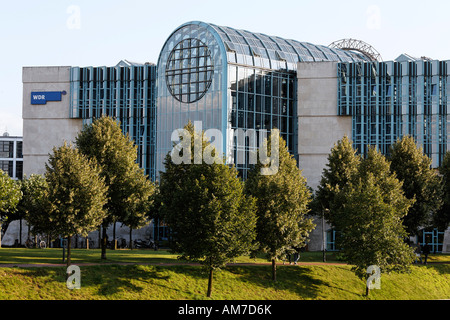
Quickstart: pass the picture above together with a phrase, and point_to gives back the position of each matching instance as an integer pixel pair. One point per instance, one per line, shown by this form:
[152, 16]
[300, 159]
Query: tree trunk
[104, 243]
[69, 244]
[131, 238]
[100, 236]
[20, 232]
[210, 280]
[274, 270]
[367, 291]
[0, 235]
[114, 237]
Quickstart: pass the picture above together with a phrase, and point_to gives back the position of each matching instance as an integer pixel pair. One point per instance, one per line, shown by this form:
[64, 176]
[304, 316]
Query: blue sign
[43, 97]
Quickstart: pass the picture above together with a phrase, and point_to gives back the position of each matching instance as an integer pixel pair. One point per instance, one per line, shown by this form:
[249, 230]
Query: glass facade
[388, 100]
[191, 84]
[232, 80]
[261, 100]
[125, 92]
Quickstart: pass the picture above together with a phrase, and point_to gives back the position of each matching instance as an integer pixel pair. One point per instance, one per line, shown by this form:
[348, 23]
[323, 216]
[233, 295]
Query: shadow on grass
[298, 280]
[442, 268]
[107, 280]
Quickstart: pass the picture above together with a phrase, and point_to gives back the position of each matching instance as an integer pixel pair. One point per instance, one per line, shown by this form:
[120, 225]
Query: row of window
[130, 96]
[7, 149]
[392, 99]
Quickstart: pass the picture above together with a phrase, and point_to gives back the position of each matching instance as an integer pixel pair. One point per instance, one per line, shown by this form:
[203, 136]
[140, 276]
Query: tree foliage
[420, 182]
[369, 214]
[34, 204]
[211, 220]
[442, 218]
[76, 193]
[342, 165]
[366, 204]
[129, 190]
[10, 195]
[282, 205]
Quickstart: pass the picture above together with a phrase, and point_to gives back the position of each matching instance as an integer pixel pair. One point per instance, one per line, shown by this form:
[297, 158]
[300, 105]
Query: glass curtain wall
[191, 85]
[262, 87]
[389, 100]
[126, 93]
[260, 100]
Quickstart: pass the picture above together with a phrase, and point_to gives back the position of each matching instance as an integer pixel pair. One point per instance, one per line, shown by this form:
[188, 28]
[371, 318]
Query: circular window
[189, 70]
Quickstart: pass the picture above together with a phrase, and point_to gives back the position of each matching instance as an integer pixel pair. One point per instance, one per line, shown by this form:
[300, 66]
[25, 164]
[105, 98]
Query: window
[19, 150]
[6, 149]
[189, 70]
[7, 167]
[19, 170]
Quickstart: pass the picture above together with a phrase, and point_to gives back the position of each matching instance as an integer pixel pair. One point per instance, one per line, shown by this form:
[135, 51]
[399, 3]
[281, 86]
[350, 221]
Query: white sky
[101, 33]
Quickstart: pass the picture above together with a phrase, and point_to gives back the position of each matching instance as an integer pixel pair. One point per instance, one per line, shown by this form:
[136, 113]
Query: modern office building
[11, 157]
[234, 80]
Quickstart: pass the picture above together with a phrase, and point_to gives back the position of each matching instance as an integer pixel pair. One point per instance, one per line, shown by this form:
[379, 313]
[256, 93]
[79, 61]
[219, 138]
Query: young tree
[116, 154]
[420, 182]
[442, 218]
[211, 220]
[368, 215]
[282, 204]
[342, 164]
[34, 204]
[76, 194]
[140, 202]
[10, 195]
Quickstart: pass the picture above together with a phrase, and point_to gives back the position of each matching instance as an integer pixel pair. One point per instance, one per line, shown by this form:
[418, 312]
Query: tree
[140, 202]
[211, 220]
[368, 213]
[442, 218]
[420, 182]
[10, 195]
[76, 194]
[34, 204]
[282, 204]
[116, 155]
[342, 164]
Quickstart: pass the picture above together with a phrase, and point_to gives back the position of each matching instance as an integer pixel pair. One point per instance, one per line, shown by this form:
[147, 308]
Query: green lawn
[180, 281]
[54, 256]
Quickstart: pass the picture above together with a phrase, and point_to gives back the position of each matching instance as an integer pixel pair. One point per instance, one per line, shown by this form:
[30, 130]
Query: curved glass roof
[256, 49]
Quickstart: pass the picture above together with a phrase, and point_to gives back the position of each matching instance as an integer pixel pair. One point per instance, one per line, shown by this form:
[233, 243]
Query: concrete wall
[319, 127]
[45, 126]
[48, 126]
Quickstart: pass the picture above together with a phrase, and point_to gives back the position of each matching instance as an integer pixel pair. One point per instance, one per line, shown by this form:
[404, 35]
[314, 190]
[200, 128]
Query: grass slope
[185, 282]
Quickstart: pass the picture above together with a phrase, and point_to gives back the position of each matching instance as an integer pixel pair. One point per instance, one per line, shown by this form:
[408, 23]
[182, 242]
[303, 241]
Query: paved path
[24, 265]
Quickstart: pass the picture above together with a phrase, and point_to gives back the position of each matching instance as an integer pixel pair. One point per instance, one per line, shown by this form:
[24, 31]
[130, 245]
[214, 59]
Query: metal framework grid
[126, 93]
[388, 100]
[189, 70]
